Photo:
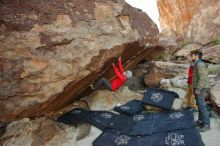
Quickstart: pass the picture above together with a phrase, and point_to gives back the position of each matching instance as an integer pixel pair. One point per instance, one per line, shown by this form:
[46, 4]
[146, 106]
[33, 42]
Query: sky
[148, 6]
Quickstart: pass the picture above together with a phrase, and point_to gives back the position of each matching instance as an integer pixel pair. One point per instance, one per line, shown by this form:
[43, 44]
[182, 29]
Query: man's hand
[197, 91]
[119, 58]
[113, 64]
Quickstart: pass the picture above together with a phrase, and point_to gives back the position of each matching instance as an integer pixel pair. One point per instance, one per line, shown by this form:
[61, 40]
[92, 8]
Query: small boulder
[184, 52]
[163, 70]
[107, 100]
[212, 54]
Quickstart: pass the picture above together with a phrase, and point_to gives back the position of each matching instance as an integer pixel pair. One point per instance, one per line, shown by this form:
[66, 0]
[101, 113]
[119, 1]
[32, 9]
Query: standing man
[200, 86]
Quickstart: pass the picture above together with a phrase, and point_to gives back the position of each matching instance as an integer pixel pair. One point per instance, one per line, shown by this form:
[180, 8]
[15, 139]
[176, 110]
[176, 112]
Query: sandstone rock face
[204, 27]
[52, 50]
[195, 20]
[176, 15]
[163, 70]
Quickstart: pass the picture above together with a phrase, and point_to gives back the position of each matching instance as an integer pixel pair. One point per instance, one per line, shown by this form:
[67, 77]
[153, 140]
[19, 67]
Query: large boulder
[52, 50]
[158, 70]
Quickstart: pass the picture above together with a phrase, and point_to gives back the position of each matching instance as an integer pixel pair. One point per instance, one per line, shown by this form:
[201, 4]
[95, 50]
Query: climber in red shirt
[117, 82]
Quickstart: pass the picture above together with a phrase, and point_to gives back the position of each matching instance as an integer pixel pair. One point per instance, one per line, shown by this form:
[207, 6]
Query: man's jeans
[200, 102]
